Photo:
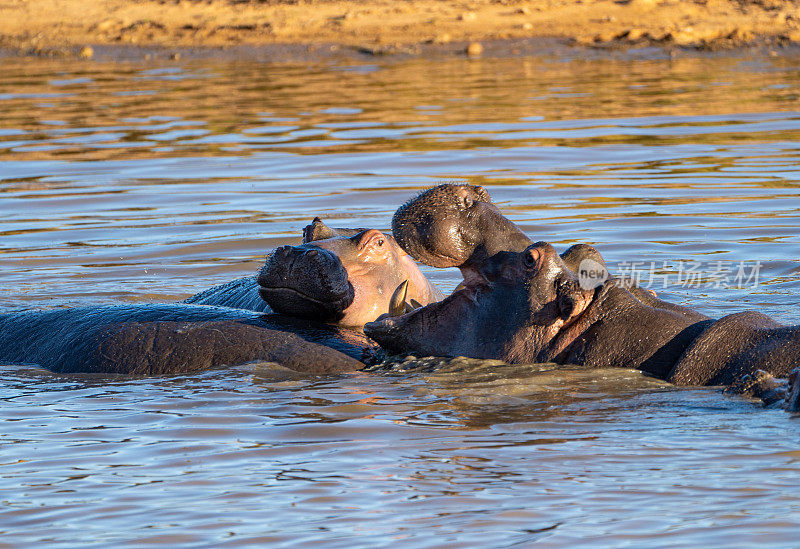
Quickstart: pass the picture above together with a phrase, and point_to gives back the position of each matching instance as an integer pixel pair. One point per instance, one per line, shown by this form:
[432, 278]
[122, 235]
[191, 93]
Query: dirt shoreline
[312, 28]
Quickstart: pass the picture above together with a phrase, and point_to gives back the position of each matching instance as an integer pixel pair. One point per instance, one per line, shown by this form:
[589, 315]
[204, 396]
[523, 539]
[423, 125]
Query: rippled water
[152, 181]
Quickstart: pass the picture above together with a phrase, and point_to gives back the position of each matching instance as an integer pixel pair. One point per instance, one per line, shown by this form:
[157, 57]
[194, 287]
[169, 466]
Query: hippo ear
[317, 231]
[465, 197]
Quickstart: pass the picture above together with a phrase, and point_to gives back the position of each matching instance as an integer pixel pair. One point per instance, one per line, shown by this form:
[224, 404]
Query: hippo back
[156, 339]
[737, 345]
[241, 293]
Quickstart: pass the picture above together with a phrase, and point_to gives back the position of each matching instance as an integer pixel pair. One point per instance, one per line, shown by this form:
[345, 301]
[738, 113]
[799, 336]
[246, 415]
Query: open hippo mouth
[518, 307]
[399, 331]
[306, 281]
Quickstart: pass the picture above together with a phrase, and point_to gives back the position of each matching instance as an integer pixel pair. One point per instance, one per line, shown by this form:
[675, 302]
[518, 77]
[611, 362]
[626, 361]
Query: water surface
[152, 181]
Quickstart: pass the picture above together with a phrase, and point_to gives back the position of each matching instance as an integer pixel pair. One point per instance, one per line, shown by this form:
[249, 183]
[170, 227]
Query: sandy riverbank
[77, 27]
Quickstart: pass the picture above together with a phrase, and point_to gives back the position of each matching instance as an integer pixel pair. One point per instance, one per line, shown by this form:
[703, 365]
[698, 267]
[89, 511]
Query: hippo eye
[467, 202]
[380, 242]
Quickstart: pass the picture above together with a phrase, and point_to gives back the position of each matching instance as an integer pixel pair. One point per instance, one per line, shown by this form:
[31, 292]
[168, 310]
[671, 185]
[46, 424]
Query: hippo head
[455, 226]
[519, 308]
[347, 278]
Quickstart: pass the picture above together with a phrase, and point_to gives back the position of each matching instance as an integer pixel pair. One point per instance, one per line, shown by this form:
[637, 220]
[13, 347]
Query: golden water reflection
[64, 110]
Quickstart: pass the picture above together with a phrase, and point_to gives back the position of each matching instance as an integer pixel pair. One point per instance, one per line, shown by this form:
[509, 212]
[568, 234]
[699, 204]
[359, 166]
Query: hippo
[457, 225]
[336, 280]
[174, 338]
[337, 275]
[529, 306]
[654, 335]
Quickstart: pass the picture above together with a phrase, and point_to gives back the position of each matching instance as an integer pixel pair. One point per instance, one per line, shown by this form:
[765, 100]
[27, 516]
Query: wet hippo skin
[530, 307]
[736, 345]
[155, 339]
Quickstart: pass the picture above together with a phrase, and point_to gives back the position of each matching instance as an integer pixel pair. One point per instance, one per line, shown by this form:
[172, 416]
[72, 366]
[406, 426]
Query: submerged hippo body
[530, 307]
[337, 275]
[155, 339]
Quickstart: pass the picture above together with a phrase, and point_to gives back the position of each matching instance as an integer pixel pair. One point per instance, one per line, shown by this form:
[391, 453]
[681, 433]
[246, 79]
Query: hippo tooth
[397, 304]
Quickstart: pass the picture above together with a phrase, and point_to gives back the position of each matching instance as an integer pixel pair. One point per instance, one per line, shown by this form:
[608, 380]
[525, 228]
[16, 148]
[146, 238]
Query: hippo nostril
[312, 253]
